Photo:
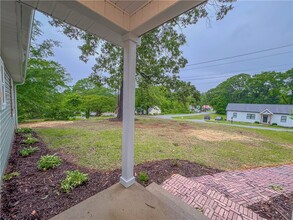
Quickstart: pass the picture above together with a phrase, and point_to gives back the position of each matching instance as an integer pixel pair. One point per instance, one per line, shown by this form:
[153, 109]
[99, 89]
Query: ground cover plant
[97, 143]
[27, 151]
[143, 177]
[30, 140]
[23, 130]
[9, 176]
[73, 179]
[49, 162]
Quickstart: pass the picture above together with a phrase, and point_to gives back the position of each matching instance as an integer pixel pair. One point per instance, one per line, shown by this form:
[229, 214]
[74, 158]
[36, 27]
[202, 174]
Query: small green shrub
[23, 130]
[28, 135]
[143, 177]
[9, 176]
[277, 188]
[73, 179]
[30, 140]
[27, 151]
[175, 163]
[49, 162]
[274, 124]
[256, 122]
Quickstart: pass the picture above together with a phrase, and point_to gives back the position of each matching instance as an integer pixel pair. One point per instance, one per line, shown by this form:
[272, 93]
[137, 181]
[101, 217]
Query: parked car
[218, 118]
[139, 111]
[207, 117]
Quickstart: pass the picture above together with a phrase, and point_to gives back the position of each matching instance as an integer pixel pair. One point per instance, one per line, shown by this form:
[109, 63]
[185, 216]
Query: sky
[263, 29]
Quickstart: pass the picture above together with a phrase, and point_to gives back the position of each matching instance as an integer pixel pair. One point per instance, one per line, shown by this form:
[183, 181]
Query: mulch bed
[277, 208]
[36, 194]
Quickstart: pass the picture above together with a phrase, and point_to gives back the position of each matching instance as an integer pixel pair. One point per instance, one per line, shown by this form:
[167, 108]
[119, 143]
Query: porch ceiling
[112, 19]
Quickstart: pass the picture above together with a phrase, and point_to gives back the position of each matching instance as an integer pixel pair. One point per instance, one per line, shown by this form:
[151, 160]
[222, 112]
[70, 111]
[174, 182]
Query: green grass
[97, 144]
[200, 117]
[252, 124]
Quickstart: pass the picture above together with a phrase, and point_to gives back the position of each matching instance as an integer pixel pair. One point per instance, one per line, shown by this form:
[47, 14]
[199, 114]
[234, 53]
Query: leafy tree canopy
[264, 88]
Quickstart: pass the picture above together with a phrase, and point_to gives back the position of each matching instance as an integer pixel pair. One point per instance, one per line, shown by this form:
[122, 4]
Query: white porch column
[129, 70]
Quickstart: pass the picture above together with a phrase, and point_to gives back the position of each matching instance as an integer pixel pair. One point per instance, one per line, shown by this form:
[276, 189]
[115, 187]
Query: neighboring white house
[154, 110]
[262, 113]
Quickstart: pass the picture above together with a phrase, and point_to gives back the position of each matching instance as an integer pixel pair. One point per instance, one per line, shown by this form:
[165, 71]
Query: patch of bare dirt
[212, 135]
[45, 124]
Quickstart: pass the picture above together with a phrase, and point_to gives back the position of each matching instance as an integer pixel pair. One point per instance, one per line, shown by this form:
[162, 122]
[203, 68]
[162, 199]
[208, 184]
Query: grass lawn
[200, 117]
[97, 143]
[213, 116]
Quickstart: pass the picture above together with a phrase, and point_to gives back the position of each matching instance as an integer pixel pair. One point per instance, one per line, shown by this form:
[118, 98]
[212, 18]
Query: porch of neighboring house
[266, 117]
[122, 23]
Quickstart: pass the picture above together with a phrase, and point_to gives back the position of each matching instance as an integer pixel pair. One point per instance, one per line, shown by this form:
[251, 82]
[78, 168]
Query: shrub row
[73, 178]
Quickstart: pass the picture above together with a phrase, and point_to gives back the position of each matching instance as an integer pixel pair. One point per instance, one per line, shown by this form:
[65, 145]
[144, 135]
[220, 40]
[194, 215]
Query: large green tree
[265, 88]
[40, 95]
[159, 57]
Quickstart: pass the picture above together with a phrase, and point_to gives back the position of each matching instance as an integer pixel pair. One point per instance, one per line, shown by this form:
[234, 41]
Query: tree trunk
[120, 104]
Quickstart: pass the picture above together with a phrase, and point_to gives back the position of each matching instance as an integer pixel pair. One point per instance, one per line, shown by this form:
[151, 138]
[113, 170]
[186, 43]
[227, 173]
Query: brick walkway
[226, 195]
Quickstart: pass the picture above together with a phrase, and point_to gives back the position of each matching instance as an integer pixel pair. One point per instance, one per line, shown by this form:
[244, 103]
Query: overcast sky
[251, 26]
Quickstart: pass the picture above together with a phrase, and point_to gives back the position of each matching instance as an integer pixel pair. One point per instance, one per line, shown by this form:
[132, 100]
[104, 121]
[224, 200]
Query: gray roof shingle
[274, 108]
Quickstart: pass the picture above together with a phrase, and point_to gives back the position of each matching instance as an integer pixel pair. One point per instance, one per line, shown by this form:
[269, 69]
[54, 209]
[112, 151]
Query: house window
[2, 86]
[234, 115]
[250, 116]
[284, 119]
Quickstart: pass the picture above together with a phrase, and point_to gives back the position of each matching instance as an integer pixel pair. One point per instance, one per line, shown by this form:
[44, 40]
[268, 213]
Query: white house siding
[7, 123]
[242, 116]
[276, 118]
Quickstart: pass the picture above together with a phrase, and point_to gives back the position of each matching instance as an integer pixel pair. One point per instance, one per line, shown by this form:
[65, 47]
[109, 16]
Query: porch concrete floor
[116, 202]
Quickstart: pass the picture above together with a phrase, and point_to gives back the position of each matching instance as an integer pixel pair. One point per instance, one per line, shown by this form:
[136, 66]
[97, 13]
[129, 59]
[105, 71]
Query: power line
[237, 61]
[223, 75]
[240, 55]
[216, 74]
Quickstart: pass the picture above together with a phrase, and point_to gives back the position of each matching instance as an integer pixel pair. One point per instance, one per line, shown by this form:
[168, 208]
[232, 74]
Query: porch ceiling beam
[157, 13]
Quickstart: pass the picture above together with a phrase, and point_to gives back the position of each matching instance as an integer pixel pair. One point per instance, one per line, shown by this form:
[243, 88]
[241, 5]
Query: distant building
[261, 113]
[205, 108]
[155, 110]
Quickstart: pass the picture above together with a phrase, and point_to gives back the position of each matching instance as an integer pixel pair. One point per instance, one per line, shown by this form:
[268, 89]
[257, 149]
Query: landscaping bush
[256, 122]
[274, 124]
[9, 176]
[23, 130]
[30, 140]
[73, 179]
[143, 177]
[27, 151]
[49, 162]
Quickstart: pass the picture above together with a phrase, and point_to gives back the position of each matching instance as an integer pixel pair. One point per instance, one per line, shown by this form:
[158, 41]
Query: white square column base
[127, 183]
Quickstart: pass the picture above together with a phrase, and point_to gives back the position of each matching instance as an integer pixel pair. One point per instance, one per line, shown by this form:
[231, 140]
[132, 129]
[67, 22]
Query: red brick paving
[226, 195]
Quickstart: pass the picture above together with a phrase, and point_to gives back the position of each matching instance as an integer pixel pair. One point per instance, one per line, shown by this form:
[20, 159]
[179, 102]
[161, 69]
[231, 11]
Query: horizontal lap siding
[7, 125]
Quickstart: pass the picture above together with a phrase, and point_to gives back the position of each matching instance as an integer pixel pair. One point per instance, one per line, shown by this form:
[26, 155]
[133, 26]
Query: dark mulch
[36, 194]
[277, 208]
